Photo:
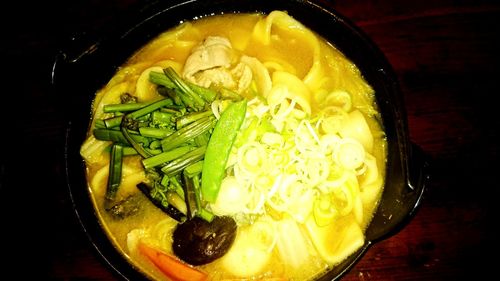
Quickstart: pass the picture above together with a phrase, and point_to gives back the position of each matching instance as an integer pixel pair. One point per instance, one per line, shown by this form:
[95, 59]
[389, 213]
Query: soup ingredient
[118, 209]
[170, 266]
[188, 132]
[117, 136]
[291, 243]
[163, 205]
[176, 166]
[219, 148]
[287, 85]
[213, 63]
[124, 208]
[356, 127]
[164, 157]
[193, 195]
[324, 210]
[92, 150]
[161, 78]
[124, 107]
[188, 96]
[252, 249]
[170, 134]
[260, 74]
[214, 52]
[130, 122]
[348, 238]
[232, 199]
[198, 242]
[350, 154]
[115, 171]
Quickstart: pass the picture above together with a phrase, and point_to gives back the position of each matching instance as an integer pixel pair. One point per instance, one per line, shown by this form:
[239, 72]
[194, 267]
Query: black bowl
[87, 62]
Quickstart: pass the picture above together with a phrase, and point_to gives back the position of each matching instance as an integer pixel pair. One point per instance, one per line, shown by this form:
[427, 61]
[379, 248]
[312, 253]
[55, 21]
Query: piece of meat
[213, 63]
[244, 74]
[213, 52]
[219, 76]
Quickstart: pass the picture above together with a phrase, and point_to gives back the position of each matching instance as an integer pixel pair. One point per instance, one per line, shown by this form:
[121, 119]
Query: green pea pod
[219, 148]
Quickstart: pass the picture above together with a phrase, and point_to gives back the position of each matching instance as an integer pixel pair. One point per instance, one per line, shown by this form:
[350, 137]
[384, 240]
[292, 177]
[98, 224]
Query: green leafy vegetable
[172, 136]
[187, 133]
[115, 171]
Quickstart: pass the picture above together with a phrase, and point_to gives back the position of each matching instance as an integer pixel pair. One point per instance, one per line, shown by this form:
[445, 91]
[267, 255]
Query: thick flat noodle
[348, 238]
[276, 64]
[358, 210]
[277, 38]
[144, 89]
[262, 33]
[169, 63]
[126, 73]
[371, 173]
[252, 248]
[345, 76]
[286, 85]
[173, 45]
[262, 30]
[316, 72]
[356, 127]
[92, 150]
[260, 74]
[175, 50]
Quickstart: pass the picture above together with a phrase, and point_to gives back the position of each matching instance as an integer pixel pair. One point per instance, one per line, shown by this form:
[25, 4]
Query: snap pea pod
[219, 148]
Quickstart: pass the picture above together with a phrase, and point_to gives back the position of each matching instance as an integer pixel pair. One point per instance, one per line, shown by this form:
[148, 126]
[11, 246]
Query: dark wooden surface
[445, 54]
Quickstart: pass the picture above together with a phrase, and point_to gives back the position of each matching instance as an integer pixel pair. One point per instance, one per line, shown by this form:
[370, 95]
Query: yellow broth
[290, 51]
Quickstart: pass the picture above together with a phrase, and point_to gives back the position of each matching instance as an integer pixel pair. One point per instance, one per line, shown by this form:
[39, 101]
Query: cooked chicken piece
[213, 52]
[219, 76]
[210, 63]
[244, 74]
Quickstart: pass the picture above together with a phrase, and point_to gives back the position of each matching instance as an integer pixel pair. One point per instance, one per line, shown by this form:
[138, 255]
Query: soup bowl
[86, 63]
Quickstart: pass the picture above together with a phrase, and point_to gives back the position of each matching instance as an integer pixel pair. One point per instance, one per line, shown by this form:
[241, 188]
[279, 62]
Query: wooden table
[445, 54]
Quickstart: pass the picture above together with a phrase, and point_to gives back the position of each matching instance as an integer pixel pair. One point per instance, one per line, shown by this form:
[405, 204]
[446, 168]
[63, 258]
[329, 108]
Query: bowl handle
[72, 50]
[400, 203]
[418, 176]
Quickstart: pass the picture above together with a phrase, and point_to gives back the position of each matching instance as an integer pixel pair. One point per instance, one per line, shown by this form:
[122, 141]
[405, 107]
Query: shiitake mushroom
[198, 241]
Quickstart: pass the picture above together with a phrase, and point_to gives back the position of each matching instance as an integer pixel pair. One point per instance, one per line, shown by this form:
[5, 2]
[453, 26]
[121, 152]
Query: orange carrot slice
[171, 266]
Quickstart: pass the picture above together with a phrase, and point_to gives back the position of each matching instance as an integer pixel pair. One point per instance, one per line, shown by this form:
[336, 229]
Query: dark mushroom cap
[198, 242]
